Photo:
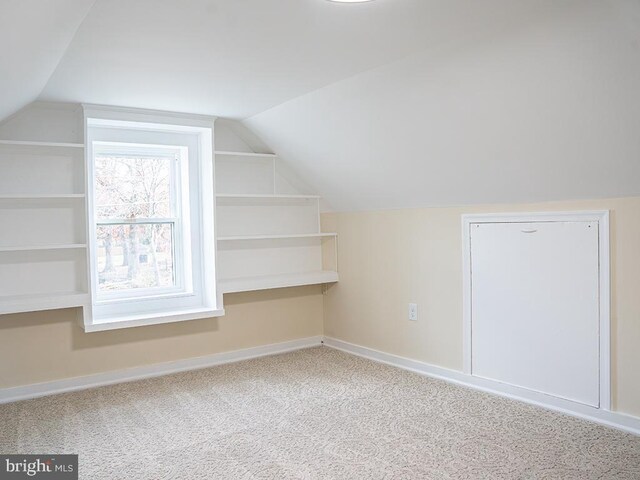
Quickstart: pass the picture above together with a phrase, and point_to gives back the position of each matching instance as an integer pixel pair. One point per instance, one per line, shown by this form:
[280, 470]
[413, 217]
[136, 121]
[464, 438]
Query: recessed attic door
[535, 306]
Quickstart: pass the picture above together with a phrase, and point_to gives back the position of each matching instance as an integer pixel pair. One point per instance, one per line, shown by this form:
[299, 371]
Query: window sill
[131, 321]
[115, 300]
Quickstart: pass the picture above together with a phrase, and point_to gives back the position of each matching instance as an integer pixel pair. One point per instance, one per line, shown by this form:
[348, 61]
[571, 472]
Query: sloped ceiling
[236, 58]
[385, 104]
[548, 111]
[34, 35]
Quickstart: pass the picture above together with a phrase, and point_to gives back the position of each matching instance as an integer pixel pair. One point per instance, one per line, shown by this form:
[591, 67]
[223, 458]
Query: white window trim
[209, 301]
[180, 222]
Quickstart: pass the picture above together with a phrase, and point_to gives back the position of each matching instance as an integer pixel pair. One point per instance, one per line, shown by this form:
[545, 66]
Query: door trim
[599, 216]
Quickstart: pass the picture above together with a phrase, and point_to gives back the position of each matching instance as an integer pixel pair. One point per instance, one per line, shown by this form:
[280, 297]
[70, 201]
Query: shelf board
[245, 154]
[34, 303]
[266, 196]
[248, 284]
[26, 143]
[37, 196]
[276, 237]
[23, 248]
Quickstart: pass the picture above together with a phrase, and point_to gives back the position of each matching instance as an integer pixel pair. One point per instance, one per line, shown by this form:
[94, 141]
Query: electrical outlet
[413, 312]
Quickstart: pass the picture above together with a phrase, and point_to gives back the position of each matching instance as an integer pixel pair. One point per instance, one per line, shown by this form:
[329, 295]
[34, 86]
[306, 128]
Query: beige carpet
[316, 413]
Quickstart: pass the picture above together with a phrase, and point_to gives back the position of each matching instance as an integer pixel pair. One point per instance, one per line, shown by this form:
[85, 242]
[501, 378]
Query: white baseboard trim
[14, 394]
[616, 420]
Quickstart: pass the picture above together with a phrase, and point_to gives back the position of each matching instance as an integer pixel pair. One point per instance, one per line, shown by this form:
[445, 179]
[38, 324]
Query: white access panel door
[535, 307]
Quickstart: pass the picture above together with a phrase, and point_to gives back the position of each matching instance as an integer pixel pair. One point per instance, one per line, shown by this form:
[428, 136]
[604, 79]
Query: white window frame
[198, 296]
[180, 221]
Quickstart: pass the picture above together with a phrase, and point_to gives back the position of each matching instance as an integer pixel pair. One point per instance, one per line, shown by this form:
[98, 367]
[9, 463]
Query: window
[139, 215]
[150, 218]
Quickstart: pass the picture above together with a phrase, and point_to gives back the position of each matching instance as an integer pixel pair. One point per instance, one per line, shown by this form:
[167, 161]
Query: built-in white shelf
[246, 154]
[43, 178]
[27, 248]
[265, 282]
[41, 169]
[39, 196]
[276, 237]
[42, 212]
[26, 143]
[33, 303]
[267, 196]
[269, 232]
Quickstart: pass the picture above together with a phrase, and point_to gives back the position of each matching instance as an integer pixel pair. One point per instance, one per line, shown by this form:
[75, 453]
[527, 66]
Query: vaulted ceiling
[547, 111]
[389, 103]
[34, 35]
[231, 58]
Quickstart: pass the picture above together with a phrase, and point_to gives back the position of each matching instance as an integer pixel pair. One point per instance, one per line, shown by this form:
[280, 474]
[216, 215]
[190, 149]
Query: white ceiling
[236, 58]
[548, 111]
[390, 103]
[34, 35]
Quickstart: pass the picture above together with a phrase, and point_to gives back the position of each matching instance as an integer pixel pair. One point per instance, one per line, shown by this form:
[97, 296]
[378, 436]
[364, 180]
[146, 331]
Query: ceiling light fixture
[350, 1]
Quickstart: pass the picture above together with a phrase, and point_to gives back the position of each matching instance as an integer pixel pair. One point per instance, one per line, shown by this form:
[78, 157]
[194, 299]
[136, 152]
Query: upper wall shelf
[265, 282]
[42, 242]
[269, 230]
[276, 237]
[25, 143]
[37, 302]
[266, 196]
[38, 196]
[245, 154]
[267, 199]
[33, 248]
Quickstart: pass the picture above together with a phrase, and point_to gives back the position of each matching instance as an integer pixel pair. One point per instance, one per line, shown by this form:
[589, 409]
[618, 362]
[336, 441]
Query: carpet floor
[315, 413]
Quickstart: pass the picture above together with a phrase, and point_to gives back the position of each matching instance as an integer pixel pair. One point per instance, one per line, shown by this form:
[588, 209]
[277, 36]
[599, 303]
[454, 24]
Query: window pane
[133, 186]
[135, 256]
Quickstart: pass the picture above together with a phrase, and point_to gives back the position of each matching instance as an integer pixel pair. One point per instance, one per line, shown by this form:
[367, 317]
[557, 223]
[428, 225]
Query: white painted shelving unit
[267, 239]
[43, 256]
[25, 143]
[268, 231]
